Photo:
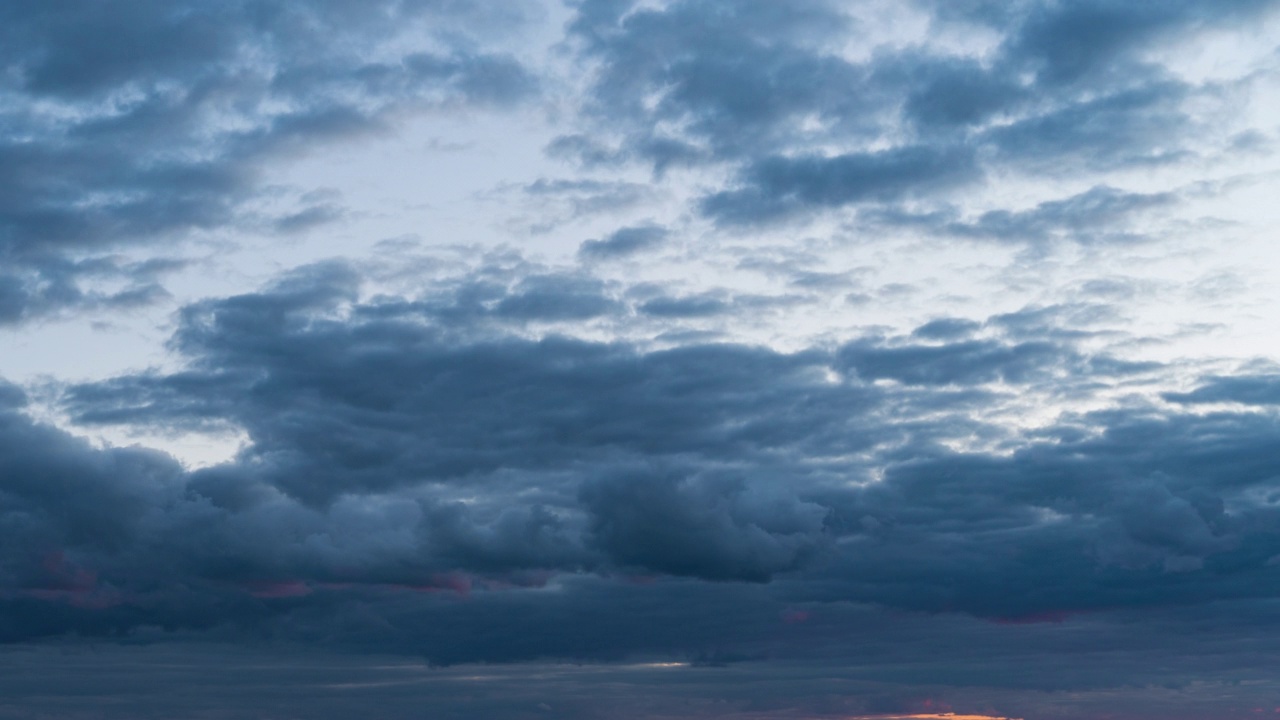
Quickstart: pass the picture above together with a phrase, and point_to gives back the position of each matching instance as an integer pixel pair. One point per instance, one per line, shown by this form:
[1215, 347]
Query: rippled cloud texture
[697, 359]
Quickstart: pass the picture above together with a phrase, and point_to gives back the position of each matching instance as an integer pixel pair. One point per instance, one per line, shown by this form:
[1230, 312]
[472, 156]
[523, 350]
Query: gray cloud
[777, 186]
[1101, 215]
[584, 198]
[1067, 91]
[703, 305]
[965, 362]
[144, 121]
[623, 242]
[1248, 389]
[387, 453]
[526, 463]
[713, 528]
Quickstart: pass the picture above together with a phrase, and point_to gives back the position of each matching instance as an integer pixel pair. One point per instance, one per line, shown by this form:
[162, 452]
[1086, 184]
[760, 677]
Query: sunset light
[931, 716]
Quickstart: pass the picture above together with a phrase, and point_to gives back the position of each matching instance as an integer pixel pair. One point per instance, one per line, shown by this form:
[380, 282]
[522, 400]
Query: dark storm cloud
[716, 528]
[143, 120]
[1153, 509]
[1068, 90]
[406, 486]
[537, 404]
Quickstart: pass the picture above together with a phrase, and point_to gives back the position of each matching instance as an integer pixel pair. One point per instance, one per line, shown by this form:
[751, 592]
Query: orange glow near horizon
[929, 716]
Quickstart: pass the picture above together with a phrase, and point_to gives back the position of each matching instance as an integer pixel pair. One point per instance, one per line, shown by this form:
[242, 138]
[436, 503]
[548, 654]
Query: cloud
[553, 298]
[713, 528]
[1247, 389]
[704, 305]
[386, 451]
[946, 329]
[1101, 215]
[775, 186]
[151, 120]
[537, 404]
[585, 198]
[1143, 126]
[478, 457]
[806, 127]
[946, 93]
[622, 243]
[1072, 43]
[733, 73]
[964, 363]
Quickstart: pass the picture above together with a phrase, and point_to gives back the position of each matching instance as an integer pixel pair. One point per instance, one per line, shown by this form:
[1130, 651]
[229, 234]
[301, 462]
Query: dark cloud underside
[389, 455]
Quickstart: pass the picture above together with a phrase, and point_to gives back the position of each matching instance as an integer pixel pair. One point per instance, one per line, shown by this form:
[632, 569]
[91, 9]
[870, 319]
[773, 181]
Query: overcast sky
[640, 359]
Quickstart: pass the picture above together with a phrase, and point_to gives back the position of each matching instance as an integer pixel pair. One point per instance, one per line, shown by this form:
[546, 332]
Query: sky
[640, 359]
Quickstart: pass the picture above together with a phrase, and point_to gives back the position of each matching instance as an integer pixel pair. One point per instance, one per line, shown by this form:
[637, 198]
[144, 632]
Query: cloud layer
[143, 122]
[846, 360]
[390, 449]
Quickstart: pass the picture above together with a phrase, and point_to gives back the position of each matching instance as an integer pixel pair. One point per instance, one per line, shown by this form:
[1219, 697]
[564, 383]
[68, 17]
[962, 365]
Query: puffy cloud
[811, 111]
[143, 121]
[714, 528]
[491, 459]
[387, 452]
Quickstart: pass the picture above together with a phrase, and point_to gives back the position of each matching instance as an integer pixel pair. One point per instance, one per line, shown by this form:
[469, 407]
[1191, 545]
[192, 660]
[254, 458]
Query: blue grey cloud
[137, 123]
[412, 456]
[472, 456]
[1067, 91]
[1247, 389]
[776, 186]
[623, 242]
